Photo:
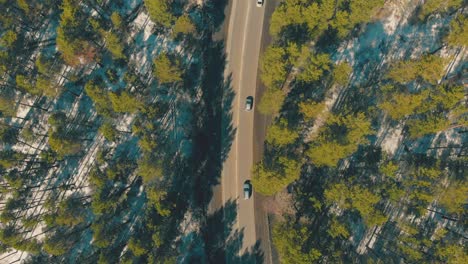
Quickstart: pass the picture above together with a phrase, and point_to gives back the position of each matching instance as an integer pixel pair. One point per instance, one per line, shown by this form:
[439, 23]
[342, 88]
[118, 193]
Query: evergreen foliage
[166, 70]
[289, 241]
[429, 68]
[280, 135]
[160, 12]
[270, 179]
[311, 109]
[124, 102]
[458, 35]
[341, 73]
[339, 138]
[183, 25]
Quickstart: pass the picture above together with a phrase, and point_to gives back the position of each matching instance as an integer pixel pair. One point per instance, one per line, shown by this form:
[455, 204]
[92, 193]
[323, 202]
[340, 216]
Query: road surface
[243, 50]
[243, 43]
[246, 35]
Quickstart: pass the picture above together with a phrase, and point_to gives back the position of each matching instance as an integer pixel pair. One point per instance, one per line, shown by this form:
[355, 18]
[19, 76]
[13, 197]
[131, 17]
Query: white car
[249, 103]
[247, 190]
[259, 3]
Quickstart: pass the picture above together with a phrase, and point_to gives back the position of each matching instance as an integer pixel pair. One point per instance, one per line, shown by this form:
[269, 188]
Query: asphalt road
[243, 50]
[244, 43]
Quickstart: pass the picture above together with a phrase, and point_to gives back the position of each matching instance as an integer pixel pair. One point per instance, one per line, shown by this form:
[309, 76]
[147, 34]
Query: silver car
[248, 103]
[247, 190]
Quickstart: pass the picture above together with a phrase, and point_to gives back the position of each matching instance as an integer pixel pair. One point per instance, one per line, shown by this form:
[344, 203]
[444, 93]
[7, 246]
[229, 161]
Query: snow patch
[15, 257]
[368, 240]
[125, 123]
[23, 110]
[86, 164]
[391, 14]
[391, 138]
[188, 225]
[142, 21]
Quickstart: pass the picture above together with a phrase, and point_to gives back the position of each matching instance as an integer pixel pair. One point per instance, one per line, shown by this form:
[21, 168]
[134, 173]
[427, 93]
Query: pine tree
[100, 97]
[316, 66]
[289, 241]
[458, 35]
[280, 134]
[274, 68]
[116, 20]
[453, 197]
[271, 179]
[183, 25]
[160, 12]
[341, 73]
[108, 131]
[311, 109]
[341, 137]
[271, 101]
[149, 169]
[438, 6]
[429, 68]
[114, 45]
[125, 102]
[166, 70]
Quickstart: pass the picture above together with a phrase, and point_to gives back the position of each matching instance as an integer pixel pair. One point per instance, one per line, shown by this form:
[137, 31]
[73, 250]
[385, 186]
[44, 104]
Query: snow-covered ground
[77, 176]
[390, 138]
[144, 23]
[145, 45]
[391, 37]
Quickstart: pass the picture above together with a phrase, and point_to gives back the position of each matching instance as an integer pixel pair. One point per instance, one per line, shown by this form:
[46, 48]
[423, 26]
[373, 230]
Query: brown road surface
[244, 42]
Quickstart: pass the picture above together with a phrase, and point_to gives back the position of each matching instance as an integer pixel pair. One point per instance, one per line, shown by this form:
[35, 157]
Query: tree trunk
[22, 142]
[34, 106]
[448, 217]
